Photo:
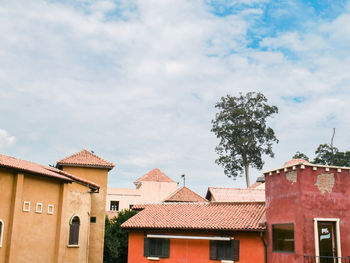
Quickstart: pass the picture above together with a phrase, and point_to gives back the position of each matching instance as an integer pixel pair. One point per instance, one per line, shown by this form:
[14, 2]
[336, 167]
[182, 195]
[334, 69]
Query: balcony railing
[326, 259]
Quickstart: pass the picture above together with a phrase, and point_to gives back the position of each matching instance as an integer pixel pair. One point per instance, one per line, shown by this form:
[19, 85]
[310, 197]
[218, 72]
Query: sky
[137, 81]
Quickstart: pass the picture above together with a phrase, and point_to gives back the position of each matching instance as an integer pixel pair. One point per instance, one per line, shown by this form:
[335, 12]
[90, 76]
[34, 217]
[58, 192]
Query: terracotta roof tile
[155, 175]
[85, 158]
[209, 216]
[185, 194]
[296, 162]
[74, 177]
[30, 167]
[219, 194]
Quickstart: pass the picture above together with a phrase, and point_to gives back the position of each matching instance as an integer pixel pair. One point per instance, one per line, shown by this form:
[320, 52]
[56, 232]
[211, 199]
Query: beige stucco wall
[42, 237]
[98, 201]
[77, 202]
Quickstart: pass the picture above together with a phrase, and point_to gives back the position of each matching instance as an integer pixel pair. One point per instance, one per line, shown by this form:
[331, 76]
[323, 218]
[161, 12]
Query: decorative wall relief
[325, 182]
[292, 176]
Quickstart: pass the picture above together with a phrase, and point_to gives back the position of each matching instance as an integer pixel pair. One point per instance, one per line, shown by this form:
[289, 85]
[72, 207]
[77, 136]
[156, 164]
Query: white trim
[25, 203]
[71, 219]
[316, 237]
[227, 261]
[50, 209]
[153, 258]
[39, 208]
[190, 237]
[72, 245]
[2, 232]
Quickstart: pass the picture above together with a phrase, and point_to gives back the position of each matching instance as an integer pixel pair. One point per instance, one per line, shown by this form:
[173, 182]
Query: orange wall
[197, 251]
[6, 186]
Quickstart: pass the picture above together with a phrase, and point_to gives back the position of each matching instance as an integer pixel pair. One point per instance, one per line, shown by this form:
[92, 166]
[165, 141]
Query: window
[114, 206]
[283, 238]
[156, 247]
[39, 208]
[221, 250]
[26, 206]
[74, 231]
[1, 231]
[50, 209]
[93, 219]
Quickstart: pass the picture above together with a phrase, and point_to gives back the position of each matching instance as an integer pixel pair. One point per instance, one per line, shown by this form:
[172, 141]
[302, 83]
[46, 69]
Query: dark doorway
[327, 242]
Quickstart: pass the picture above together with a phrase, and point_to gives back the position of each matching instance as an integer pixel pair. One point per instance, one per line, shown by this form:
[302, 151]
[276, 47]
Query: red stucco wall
[302, 201]
[197, 251]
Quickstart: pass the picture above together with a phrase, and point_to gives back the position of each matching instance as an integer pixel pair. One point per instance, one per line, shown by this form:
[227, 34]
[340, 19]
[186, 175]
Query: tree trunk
[246, 169]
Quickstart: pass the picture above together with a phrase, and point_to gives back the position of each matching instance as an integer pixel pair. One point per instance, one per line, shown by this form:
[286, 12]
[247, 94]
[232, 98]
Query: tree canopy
[116, 238]
[326, 154]
[244, 135]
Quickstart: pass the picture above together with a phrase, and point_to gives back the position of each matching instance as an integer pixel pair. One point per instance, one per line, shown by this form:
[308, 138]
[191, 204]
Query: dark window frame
[74, 226]
[1, 231]
[224, 250]
[156, 247]
[276, 245]
[114, 205]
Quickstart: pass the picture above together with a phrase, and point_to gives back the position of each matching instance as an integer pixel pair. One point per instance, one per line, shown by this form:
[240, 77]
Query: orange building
[52, 214]
[197, 233]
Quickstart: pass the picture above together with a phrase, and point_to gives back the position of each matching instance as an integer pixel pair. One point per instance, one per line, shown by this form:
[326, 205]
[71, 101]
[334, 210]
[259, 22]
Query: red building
[197, 233]
[308, 213]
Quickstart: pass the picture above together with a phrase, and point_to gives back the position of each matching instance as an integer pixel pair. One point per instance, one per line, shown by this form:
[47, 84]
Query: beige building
[52, 214]
[153, 187]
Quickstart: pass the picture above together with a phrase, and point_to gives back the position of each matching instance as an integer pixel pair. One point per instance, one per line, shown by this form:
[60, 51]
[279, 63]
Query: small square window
[26, 206]
[93, 219]
[114, 206]
[39, 208]
[50, 209]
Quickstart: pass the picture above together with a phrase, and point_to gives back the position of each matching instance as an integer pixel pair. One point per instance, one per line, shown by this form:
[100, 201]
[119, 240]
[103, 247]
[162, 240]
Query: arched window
[1, 231]
[74, 230]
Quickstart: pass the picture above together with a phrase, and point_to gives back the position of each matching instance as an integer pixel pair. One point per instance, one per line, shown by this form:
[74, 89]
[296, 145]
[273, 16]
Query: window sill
[153, 258]
[72, 246]
[227, 261]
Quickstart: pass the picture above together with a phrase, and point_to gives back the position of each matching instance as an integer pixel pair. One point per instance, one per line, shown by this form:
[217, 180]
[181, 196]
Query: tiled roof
[219, 194]
[74, 177]
[204, 216]
[34, 168]
[30, 167]
[295, 162]
[85, 158]
[155, 175]
[184, 194]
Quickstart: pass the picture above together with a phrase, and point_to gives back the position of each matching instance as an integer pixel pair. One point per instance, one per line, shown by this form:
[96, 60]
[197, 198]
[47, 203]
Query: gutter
[265, 244]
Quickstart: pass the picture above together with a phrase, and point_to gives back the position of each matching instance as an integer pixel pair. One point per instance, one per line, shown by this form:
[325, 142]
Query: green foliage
[116, 238]
[244, 136]
[327, 155]
[299, 155]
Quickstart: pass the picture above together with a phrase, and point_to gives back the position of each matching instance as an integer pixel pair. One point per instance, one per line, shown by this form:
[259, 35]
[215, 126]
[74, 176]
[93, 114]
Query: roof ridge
[155, 175]
[69, 160]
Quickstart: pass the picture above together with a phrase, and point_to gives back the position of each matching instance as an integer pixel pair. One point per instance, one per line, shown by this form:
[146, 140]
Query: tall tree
[244, 135]
[116, 238]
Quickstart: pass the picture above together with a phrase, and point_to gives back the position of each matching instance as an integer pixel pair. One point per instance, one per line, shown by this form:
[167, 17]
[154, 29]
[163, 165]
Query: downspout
[265, 244]
[88, 239]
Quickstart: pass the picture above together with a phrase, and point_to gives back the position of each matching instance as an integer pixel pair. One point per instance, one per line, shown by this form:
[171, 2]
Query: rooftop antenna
[184, 177]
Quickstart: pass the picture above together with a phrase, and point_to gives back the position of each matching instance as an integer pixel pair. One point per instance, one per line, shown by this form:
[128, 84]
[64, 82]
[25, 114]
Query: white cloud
[6, 139]
[139, 87]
